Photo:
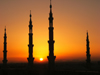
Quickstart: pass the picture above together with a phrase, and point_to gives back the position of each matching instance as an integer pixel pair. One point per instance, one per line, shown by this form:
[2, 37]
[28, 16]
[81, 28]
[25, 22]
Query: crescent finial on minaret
[5, 29]
[30, 18]
[50, 4]
[30, 14]
[87, 32]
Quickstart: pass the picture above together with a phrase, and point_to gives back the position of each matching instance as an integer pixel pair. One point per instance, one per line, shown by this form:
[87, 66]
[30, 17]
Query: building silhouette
[51, 57]
[30, 58]
[88, 51]
[5, 49]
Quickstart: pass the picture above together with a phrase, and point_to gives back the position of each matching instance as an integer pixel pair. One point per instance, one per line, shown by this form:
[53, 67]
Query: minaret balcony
[30, 45]
[50, 28]
[51, 57]
[50, 18]
[30, 34]
[51, 42]
[30, 26]
[4, 51]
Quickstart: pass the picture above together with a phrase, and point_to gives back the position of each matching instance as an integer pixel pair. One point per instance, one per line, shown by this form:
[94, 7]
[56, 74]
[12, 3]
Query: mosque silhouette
[51, 57]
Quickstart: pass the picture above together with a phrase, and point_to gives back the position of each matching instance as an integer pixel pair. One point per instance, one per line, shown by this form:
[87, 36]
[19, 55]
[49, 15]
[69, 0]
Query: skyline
[70, 28]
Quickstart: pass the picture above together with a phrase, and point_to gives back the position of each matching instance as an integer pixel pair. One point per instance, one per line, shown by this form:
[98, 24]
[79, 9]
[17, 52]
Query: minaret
[30, 59]
[88, 50]
[51, 57]
[5, 49]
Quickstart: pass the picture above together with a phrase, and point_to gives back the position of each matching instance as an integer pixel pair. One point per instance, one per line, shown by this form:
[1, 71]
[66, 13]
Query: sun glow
[41, 59]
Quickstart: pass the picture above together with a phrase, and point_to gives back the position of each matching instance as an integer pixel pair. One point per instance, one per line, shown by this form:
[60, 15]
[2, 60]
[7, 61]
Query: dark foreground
[42, 69]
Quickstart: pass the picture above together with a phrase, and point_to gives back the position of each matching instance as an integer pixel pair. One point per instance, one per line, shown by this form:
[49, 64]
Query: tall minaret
[51, 57]
[5, 49]
[30, 59]
[88, 50]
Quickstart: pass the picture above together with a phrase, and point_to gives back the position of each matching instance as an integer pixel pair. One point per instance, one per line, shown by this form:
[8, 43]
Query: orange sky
[72, 19]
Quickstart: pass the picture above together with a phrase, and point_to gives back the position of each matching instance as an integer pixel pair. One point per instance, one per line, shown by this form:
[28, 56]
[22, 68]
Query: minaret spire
[50, 7]
[51, 57]
[30, 59]
[5, 49]
[50, 4]
[30, 14]
[88, 51]
[5, 29]
[30, 18]
[50, 16]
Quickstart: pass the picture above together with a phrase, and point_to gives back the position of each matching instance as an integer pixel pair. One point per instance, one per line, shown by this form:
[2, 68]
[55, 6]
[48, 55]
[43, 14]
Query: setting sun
[41, 59]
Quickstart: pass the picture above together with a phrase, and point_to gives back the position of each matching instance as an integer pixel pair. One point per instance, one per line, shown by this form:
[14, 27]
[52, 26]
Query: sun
[41, 59]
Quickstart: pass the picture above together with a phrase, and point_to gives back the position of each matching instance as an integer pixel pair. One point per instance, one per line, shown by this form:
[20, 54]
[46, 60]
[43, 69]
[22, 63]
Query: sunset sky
[72, 19]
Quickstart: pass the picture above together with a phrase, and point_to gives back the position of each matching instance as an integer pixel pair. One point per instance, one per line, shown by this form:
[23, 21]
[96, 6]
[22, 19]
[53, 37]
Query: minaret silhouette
[5, 49]
[51, 57]
[30, 59]
[88, 51]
